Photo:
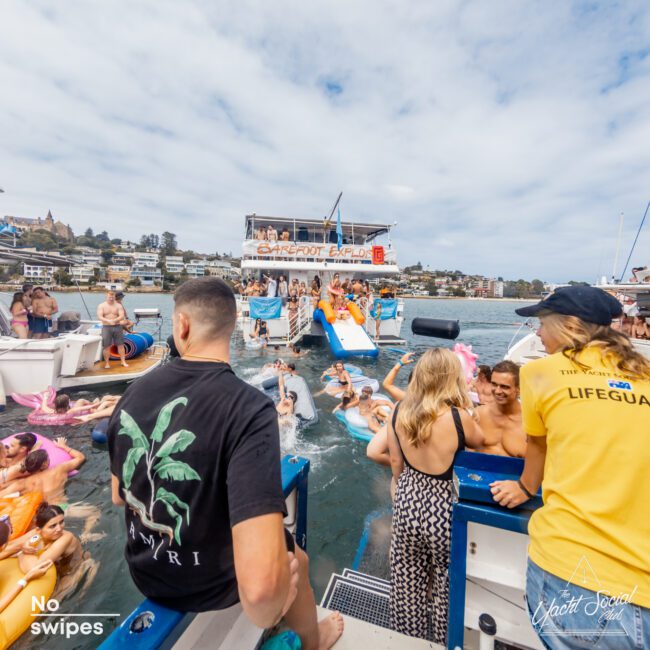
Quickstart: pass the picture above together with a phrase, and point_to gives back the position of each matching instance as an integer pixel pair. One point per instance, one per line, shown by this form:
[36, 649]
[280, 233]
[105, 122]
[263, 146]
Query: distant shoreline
[469, 298]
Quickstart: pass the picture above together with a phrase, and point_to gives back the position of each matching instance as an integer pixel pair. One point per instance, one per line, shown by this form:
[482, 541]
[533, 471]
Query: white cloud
[515, 130]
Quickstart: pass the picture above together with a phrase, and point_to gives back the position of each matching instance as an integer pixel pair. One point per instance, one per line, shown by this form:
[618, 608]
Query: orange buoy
[353, 308]
[327, 309]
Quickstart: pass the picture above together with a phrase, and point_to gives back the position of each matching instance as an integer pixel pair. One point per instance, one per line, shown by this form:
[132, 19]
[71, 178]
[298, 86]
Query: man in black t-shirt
[195, 456]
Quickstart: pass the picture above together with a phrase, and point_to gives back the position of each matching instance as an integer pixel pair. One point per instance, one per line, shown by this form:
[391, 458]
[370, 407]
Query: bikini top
[446, 475]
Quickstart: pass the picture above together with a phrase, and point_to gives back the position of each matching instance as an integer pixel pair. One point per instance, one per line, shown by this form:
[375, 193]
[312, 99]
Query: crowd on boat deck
[191, 438]
[32, 310]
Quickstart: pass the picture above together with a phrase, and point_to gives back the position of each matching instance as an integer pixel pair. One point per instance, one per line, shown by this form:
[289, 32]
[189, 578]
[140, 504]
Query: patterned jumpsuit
[419, 550]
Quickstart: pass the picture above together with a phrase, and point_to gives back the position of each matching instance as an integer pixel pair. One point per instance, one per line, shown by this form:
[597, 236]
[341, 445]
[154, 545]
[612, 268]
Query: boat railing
[303, 322]
[151, 626]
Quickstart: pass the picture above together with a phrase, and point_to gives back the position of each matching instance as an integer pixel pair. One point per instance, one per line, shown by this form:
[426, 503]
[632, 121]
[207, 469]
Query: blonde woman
[428, 429]
[586, 410]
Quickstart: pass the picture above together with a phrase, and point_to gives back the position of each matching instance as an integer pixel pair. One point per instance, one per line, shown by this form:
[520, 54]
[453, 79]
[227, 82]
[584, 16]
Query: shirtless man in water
[16, 450]
[51, 481]
[500, 420]
[112, 316]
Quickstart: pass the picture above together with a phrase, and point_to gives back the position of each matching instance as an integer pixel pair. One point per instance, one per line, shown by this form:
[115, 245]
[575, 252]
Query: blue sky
[504, 138]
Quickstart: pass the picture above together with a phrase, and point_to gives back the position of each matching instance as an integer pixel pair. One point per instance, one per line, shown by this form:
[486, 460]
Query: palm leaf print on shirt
[159, 465]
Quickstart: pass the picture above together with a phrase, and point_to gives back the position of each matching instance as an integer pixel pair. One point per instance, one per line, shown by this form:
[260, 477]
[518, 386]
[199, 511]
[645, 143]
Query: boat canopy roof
[316, 229]
[9, 255]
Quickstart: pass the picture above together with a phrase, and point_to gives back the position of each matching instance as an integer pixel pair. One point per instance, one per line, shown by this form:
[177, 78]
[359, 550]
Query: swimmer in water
[59, 546]
[7, 549]
[62, 405]
[349, 399]
[287, 403]
[35, 461]
[51, 482]
[342, 377]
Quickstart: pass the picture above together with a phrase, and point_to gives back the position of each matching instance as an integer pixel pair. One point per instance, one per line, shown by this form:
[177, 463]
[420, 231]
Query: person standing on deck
[429, 427]
[586, 410]
[111, 315]
[271, 287]
[195, 458]
[43, 308]
[283, 290]
[500, 419]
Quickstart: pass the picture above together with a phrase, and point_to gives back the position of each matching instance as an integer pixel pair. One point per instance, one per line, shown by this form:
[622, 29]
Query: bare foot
[329, 630]
[125, 364]
[107, 366]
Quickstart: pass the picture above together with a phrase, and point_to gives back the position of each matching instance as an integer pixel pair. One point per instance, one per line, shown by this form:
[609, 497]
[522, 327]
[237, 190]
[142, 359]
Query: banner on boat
[265, 308]
[309, 250]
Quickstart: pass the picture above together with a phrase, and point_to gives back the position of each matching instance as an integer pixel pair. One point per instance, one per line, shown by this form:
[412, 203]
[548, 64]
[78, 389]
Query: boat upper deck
[312, 244]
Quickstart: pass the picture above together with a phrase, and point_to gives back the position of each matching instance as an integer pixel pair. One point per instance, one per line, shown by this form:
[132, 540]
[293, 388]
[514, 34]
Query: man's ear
[183, 325]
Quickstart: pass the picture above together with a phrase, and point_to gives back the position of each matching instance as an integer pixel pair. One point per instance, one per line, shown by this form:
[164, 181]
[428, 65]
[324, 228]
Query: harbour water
[344, 486]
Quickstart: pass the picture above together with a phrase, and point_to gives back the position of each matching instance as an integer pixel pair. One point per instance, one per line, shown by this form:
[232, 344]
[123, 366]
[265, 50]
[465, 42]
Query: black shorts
[40, 325]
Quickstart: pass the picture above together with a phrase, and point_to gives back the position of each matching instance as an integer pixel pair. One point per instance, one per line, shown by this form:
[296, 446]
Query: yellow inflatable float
[17, 616]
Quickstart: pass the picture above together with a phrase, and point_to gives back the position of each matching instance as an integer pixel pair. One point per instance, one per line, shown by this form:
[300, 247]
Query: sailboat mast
[618, 244]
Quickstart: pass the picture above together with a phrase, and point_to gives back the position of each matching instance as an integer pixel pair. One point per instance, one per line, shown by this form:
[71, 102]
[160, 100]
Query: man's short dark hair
[509, 368]
[291, 366]
[213, 304]
[27, 440]
[27, 287]
[485, 370]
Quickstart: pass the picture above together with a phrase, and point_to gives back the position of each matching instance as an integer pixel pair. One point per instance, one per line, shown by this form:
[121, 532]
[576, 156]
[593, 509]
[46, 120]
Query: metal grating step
[362, 601]
[365, 580]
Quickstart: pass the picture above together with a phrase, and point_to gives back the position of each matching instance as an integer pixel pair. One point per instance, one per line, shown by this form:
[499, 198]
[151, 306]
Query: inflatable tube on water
[21, 511]
[359, 318]
[360, 433]
[40, 418]
[254, 344]
[17, 616]
[261, 377]
[99, 431]
[56, 454]
[135, 344]
[352, 370]
[34, 400]
[326, 307]
[355, 423]
[304, 408]
[358, 382]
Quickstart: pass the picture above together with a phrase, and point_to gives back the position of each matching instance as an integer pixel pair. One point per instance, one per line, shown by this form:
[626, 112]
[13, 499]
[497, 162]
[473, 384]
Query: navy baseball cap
[590, 304]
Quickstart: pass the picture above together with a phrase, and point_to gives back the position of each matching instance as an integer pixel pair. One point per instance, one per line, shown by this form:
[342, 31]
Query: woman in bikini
[315, 293]
[50, 541]
[19, 322]
[334, 288]
[7, 549]
[338, 372]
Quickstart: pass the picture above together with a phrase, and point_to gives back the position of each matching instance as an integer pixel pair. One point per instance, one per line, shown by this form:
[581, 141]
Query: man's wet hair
[296, 349]
[35, 460]
[291, 366]
[509, 368]
[27, 440]
[212, 303]
[485, 370]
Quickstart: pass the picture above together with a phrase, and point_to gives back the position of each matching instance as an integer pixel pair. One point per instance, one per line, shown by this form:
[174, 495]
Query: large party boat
[301, 251]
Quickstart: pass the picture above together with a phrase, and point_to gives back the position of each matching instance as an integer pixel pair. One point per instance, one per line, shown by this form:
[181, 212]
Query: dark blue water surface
[343, 485]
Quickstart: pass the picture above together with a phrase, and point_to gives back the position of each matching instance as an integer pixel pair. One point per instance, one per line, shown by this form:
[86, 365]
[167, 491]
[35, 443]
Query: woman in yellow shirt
[586, 410]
